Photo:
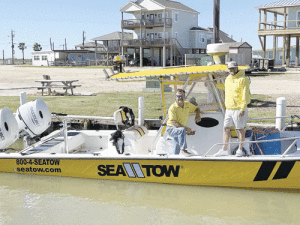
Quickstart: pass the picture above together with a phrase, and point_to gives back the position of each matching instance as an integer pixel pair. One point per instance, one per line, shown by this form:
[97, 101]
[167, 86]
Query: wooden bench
[47, 83]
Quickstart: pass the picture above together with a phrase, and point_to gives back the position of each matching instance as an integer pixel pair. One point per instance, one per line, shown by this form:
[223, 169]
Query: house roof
[198, 28]
[167, 4]
[114, 36]
[223, 36]
[89, 45]
[175, 5]
[239, 45]
[279, 6]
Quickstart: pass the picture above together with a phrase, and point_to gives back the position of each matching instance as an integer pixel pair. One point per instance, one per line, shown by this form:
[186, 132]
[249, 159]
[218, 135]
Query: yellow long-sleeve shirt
[237, 94]
[179, 114]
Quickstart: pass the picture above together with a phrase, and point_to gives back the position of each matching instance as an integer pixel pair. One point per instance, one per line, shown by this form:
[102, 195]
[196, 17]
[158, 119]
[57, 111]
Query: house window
[201, 38]
[159, 15]
[36, 57]
[166, 15]
[44, 57]
[166, 35]
[176, 17]
[139, 36]
[160, 35]
[176, 35]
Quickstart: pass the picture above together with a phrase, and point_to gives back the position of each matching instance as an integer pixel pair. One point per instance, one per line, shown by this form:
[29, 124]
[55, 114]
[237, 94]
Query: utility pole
[3, 57]
[12, 46]
[216, 27]
[83, 39]
[66, 43]
[50, 44]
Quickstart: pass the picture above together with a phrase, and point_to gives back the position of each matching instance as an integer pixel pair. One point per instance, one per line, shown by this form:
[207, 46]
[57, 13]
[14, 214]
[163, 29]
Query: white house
[42, 58]
[166, 29]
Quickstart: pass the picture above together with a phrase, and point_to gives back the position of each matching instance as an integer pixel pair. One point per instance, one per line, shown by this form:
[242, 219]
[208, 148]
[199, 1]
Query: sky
[38, 21]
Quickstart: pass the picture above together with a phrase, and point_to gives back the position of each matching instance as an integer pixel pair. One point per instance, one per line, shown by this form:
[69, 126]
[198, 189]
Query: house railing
[178, 46]
[148, 42]
[156, 22]
[279, 25]
[110, 49]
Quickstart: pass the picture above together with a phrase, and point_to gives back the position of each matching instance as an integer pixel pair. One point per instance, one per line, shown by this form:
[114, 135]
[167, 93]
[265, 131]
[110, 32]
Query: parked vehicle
[136, 62]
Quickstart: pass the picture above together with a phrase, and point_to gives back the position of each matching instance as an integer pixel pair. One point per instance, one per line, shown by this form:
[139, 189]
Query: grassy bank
[105, 104]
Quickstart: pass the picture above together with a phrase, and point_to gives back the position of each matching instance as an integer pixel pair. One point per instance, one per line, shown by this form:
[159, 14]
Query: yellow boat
[142, 155]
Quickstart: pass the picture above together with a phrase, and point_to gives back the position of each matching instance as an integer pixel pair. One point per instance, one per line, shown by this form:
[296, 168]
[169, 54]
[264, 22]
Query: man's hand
[189, 131]
[242, 113]
[197, 118]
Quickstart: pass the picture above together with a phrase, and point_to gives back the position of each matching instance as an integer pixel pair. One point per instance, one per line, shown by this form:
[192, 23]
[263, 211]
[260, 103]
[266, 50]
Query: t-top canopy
[196, 71]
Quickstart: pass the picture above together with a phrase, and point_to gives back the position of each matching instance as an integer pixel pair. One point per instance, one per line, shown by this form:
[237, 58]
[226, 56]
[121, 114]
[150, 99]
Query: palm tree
[22, 47]
[37, 47]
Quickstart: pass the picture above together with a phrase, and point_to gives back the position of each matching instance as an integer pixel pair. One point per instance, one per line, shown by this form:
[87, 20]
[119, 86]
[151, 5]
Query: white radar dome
[218, 52]
[33, 117]
[217, 49]
[9, 131]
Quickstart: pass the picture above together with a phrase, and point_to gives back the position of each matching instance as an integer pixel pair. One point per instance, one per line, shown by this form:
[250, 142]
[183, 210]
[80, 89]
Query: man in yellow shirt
[237, 96]
[176, 126]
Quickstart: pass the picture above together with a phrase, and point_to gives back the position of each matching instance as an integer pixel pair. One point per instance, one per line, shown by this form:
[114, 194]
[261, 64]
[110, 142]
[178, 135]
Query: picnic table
[64, 84]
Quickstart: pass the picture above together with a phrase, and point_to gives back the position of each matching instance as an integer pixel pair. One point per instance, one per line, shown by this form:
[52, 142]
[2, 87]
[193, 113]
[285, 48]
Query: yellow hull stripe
[246, 174]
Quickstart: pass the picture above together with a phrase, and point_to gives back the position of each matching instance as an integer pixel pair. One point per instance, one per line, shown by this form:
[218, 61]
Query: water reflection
[26, 199]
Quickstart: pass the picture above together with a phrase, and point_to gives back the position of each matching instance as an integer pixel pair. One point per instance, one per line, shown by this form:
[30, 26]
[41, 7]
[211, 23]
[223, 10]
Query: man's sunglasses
[180, 96]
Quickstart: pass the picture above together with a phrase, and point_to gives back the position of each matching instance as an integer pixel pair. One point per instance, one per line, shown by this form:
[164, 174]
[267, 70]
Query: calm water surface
[26, 199]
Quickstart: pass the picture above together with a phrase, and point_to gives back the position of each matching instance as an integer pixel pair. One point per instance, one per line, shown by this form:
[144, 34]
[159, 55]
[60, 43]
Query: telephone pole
[66, 43]
[216, 37]
[12, 46]
[83, 39]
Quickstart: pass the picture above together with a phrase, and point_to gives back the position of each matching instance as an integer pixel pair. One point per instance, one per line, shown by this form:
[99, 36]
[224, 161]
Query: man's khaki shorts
[232, 118]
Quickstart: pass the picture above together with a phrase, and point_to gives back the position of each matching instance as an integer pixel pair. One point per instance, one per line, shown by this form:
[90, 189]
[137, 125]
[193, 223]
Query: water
[26, 199]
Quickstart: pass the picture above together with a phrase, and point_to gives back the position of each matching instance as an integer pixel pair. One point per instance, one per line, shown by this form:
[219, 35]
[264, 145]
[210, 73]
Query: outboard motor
[33, 118]
[9, 131]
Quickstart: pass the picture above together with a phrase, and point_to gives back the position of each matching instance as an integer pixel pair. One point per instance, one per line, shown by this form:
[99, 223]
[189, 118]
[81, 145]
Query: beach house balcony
[147, 23]
[148, 42]
[279, 27]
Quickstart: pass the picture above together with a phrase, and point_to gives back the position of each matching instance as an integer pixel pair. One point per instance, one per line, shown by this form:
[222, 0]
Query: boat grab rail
[260, 141]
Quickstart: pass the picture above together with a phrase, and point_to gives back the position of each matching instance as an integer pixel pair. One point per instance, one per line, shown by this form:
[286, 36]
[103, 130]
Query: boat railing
[259, 141]
[292, 117]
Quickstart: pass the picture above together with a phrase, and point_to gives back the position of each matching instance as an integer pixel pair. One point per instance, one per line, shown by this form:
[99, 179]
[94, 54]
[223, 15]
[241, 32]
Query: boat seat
[136, 131]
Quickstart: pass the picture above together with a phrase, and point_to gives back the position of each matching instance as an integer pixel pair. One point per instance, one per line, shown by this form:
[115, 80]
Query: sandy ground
[93, 81]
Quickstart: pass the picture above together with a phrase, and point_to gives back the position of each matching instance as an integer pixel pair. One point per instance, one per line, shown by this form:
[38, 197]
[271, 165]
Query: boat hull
[268, 173]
